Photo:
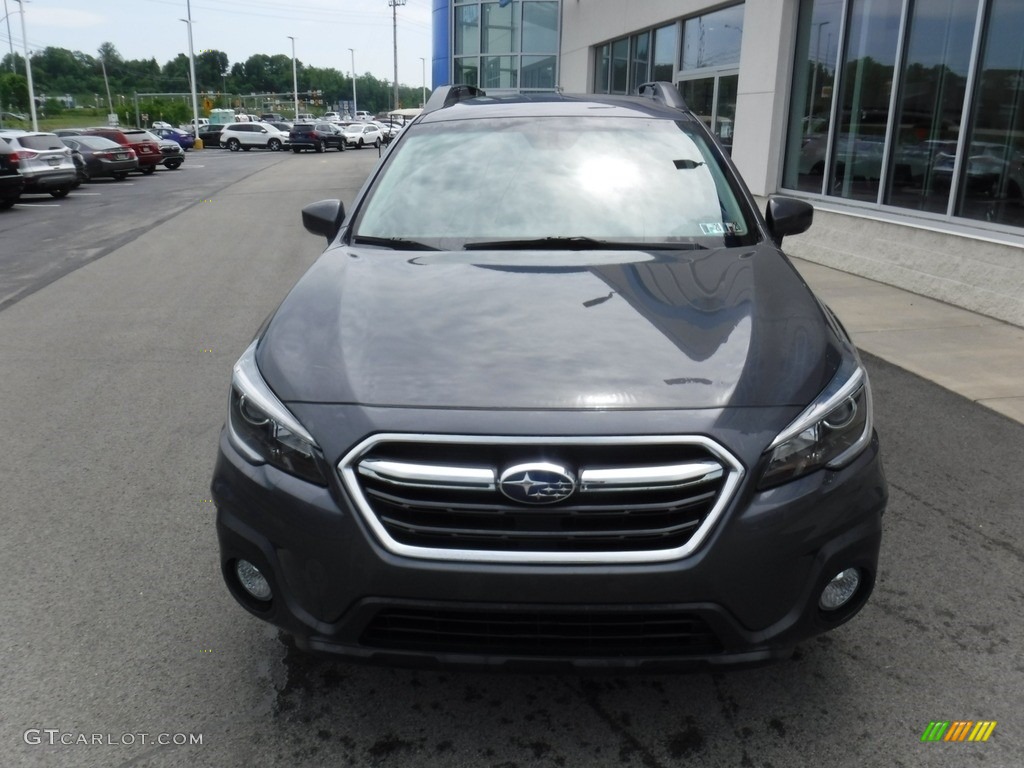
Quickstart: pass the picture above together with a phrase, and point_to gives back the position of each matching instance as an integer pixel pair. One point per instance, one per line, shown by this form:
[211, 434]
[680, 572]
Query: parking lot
[122, 309]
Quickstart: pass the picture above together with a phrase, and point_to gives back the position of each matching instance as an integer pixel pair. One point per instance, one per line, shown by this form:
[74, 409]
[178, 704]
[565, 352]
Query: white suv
[245, 136]
[44, 160]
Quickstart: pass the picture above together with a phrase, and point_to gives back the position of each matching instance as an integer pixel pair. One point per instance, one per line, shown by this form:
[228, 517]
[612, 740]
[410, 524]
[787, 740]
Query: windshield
[629, 180]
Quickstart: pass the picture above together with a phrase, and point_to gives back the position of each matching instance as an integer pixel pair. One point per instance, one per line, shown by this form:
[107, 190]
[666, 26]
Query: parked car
[210, 135]
[993, 170]
[186, 140]
[361, 135]
[103, 157]
[43, 160]
[190, 126]
[331, 117]
[11, 180]
[245, 136]
[172, 152]
[577, 409]
[317, 136]
[271, 117]
[145, 145]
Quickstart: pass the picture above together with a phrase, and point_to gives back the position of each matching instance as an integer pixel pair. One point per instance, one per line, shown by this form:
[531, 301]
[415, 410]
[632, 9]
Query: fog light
[252, 580]
[838, 592]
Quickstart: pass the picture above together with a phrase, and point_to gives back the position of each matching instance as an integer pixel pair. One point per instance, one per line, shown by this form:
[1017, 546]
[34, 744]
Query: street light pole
[295, 80]
[394, 23]
[354, 107]
[28, 69]
[10, 38]
[192, 74]
[423, 97]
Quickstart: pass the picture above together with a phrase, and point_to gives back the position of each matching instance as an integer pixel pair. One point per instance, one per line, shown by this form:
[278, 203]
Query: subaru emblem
[537, 483]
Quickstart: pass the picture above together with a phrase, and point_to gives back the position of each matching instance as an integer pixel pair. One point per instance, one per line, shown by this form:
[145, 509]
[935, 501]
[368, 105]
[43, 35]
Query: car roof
[551, 104]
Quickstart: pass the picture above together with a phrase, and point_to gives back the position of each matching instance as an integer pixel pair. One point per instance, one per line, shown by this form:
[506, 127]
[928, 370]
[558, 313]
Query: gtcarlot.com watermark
[57, 737]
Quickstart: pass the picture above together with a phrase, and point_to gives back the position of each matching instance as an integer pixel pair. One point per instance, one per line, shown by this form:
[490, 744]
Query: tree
[13, 91]
[211, 68]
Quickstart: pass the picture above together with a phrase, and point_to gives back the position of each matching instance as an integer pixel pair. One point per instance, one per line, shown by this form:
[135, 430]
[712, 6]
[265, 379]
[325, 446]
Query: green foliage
[58, 72]
[13, 92]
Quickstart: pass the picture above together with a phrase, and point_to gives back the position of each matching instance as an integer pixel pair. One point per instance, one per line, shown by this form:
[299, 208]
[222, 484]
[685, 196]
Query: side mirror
[324, 218]
[787, 216]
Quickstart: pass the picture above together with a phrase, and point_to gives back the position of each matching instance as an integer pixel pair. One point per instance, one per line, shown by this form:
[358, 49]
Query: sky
[324, 30]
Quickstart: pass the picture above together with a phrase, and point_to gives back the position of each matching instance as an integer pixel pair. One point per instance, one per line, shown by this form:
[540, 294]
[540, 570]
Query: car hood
[550, 330]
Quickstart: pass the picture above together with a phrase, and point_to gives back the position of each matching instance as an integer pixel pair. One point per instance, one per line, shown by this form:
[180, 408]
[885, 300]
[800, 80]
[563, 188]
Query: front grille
[625, 499]
[536, 633]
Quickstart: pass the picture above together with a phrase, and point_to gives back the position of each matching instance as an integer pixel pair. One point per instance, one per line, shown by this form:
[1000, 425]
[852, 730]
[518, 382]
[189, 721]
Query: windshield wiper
[579, 244]
[397, 243]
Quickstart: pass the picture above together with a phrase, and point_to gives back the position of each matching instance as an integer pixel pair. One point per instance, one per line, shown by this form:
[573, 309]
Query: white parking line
[37, 205]
[86, 194]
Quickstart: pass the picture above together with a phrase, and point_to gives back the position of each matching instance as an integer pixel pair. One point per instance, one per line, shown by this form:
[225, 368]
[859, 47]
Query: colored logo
[958, 730]
[537, 483]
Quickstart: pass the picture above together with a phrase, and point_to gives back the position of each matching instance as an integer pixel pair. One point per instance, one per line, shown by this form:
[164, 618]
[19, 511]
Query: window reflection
[993, 176]
[865, 91]
[933, 84]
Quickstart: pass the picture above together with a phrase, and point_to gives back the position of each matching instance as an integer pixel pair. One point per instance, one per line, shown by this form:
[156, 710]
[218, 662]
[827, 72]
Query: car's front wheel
[148, 170]
[296, 150]
[274, 145]
[8, 203]
[120, 176]
[234, 145]
[376, 144]
[62, 192]
[174, 165]
[321, 146]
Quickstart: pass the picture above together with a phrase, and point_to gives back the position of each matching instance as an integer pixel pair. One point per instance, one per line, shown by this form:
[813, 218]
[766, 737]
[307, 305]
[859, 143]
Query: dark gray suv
[554, 397]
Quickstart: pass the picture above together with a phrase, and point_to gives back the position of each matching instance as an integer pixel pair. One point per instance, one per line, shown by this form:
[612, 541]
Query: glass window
[930, 107]
[539, 72]
[641, 60]
[467, 71]
[540, 27]
[620, 66]
[699, 95]
[992, 188]
[665, 53]
[602, 70]
[500, 28]
[810, 111]
[572, 176]
[467, 30]
[713, 40]
[499, 72]
[865, 91]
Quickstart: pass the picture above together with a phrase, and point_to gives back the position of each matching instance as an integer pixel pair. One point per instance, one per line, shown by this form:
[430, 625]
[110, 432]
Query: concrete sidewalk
[972, 355]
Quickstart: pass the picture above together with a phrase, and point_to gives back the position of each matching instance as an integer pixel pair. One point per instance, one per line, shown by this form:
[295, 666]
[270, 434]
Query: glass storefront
[709, 59]
[912, 105]
[506, 44]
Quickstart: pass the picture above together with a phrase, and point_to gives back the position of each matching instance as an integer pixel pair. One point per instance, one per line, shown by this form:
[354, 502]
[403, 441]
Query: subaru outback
[554, 397]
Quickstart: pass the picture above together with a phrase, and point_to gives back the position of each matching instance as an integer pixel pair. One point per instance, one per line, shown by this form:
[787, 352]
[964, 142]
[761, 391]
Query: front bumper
[747, 596]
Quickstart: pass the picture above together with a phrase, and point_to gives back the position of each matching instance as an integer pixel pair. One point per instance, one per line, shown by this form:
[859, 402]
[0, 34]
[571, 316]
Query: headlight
[263, 430]
[830, 433]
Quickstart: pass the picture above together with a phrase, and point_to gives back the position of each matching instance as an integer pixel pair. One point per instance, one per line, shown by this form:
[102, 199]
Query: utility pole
[28, 69]
[394, 23]
[354, 107]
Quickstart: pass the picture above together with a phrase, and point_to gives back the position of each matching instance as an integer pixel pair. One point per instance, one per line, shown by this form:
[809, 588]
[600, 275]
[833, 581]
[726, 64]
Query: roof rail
[663, 93]
[446, 95]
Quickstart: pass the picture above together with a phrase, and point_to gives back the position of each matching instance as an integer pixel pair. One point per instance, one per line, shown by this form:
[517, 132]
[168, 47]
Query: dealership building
[901, 121]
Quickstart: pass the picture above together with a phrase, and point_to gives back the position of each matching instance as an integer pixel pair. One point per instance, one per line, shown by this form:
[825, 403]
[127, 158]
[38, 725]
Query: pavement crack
[589, 691]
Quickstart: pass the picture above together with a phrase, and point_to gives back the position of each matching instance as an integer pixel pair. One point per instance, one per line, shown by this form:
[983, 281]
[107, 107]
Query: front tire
[120, 176]
[296, 150]
[62, 192]
[376, 144]
[274, 145]
[175, 165]
[234, 145]
[149, 169]
[321, 146]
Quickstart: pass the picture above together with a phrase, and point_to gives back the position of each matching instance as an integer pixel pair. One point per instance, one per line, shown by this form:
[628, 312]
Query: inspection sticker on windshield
[719, 228]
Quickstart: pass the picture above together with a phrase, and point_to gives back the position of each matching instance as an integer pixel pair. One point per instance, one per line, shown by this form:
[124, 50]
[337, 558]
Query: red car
[146, 146]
